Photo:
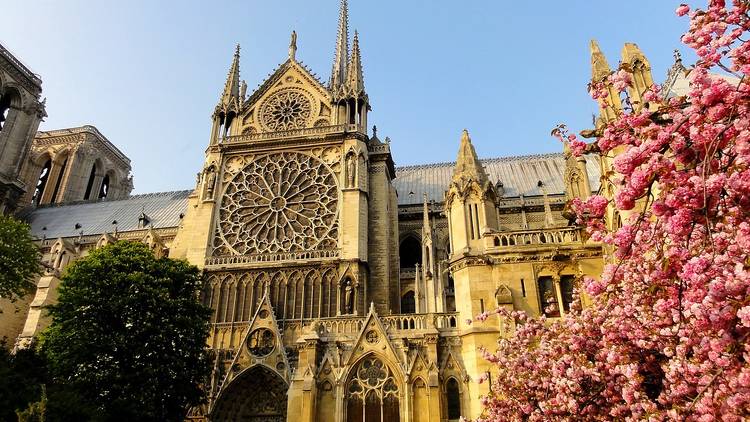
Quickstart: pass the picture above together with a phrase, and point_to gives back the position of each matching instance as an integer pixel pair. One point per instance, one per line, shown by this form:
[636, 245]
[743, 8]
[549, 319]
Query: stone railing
[229, 260]
[308, 131]
[226, 335]
[538, 237]
[19, 65]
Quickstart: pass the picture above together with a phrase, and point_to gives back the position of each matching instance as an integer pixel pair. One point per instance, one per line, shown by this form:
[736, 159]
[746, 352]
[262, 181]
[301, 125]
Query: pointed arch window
[41, 182]
[90, 183]
[453, 399]
[372, 394]
[410, 252]
[5, 101]
[104, 190]
[408, 304]
[58, 182]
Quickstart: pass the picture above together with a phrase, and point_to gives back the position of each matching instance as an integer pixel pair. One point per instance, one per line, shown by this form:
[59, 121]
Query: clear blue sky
[149, 73]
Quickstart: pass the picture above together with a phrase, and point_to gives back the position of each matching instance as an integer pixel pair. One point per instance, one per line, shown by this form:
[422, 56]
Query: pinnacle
[468, 166]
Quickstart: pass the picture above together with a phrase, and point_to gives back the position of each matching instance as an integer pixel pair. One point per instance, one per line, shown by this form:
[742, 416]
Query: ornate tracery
[286, 110]
[281, 202]
[372, 392]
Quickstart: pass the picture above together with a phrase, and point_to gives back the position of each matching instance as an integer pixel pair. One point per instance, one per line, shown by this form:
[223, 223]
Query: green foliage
[21, 377]
[128, 335]
[19, 258]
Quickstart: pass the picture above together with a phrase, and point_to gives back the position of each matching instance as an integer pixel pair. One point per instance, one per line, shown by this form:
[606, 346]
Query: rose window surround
[280, 202]
[286, 110]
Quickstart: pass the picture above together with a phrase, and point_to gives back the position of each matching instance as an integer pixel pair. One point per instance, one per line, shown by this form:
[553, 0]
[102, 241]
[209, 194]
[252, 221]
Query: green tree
[128, 335]
[19, 258]
[21, 378]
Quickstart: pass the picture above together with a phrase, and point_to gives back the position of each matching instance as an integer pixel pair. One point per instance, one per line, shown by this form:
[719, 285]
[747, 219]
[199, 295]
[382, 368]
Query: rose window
[284, 202]
[286, 110]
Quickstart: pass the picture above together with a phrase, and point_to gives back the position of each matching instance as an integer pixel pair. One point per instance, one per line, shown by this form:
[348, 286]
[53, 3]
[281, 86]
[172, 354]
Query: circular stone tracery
[283, 202]
[288, 109]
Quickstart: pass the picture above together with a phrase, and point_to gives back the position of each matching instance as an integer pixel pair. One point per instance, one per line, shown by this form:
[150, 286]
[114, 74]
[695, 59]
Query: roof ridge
[482, 160]
[129, 198]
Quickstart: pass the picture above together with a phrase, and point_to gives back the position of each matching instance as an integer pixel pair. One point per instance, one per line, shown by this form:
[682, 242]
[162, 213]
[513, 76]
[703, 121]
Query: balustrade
[534, 237]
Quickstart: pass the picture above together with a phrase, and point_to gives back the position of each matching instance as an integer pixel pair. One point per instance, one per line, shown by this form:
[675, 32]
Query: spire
[468, 166]
[341, 52]
[599, 66]
[631, 54]
[355, 80]
[426, 228]
[293, 46]
[232, 86]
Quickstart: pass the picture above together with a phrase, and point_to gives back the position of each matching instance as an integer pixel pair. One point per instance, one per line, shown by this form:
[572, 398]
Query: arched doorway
[257, 395]
[410, 252]
[372, 393]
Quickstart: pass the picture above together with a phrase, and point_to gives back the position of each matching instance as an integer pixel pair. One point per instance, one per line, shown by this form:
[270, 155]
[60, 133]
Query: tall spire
[341, 52]
[426, 228]
[468, 166]
[232, 86]
[599, 66]
[355, 81]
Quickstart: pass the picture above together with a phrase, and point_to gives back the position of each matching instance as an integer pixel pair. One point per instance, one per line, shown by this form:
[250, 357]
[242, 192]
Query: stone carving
[284, 202]
[287, 109]
[351, 170]
[349, 297]
[210, 182]
[261, 342]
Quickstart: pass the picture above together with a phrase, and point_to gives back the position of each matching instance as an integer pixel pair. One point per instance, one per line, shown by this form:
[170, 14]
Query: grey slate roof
[162, 208]
[519, 175]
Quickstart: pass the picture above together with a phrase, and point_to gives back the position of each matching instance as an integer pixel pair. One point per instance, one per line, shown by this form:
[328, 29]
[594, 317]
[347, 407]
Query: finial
[374, 131]
[372, 307]
[465, 136]
[237, 50]
[293, 46]
[677, 56]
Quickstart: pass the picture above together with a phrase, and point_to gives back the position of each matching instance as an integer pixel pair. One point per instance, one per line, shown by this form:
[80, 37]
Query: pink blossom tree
[665, 335]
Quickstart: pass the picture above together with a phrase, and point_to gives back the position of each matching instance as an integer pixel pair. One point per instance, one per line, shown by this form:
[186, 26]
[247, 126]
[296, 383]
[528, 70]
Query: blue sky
[148, 73]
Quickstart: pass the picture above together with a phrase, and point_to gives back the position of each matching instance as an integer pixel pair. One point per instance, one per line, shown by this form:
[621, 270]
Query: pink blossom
[682, 10]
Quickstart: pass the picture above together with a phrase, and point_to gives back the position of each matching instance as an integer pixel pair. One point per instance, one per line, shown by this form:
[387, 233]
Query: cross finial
[677, 56]
[374, 131]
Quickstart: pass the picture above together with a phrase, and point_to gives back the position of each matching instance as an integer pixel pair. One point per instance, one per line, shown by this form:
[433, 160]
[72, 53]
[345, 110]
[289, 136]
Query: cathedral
[340, 283]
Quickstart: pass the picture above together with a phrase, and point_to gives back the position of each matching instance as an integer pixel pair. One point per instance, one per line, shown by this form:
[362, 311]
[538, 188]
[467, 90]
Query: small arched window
[408, 304]
[90, 184]
[410, 252]
[453, 399]
[5, 101]
[104, 190]
[41, 182]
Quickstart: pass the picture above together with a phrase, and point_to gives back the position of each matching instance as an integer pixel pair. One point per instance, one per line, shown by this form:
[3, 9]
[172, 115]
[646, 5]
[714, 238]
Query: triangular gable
[451, 365]
[419, 366]
[276, 76]
[374, 338]
[261, 345]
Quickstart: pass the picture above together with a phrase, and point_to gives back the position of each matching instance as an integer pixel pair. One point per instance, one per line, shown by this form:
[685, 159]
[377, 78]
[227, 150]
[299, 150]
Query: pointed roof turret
[341, 52]
[599, 66]
[232, 87]
[468, 166]
[355, 82]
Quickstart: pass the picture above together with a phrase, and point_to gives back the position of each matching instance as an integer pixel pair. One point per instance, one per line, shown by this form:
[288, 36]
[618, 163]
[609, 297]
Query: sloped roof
[162, 208]
[519, 175]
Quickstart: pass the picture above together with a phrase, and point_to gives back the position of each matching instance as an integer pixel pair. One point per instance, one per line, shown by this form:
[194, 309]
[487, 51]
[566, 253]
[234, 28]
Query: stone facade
[341, 284]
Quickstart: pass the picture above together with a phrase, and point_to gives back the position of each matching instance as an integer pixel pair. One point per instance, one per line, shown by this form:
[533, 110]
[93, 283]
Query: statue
[243, 90]
[349, 297]
[350, 170]
[210, 182]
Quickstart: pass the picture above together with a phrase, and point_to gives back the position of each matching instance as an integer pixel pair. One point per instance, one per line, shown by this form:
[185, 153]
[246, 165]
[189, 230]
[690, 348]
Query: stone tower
[21, 111]
[294, 205]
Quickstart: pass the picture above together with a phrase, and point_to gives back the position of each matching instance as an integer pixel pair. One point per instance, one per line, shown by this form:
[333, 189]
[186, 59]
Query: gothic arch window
[548, 297]
[42, 182]
[104, 189]
[410, 252]
[58, 182]
[408, 304]
[10, 99]
[258, 394]
[453, 399]
[372, 394]
[90, 183]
